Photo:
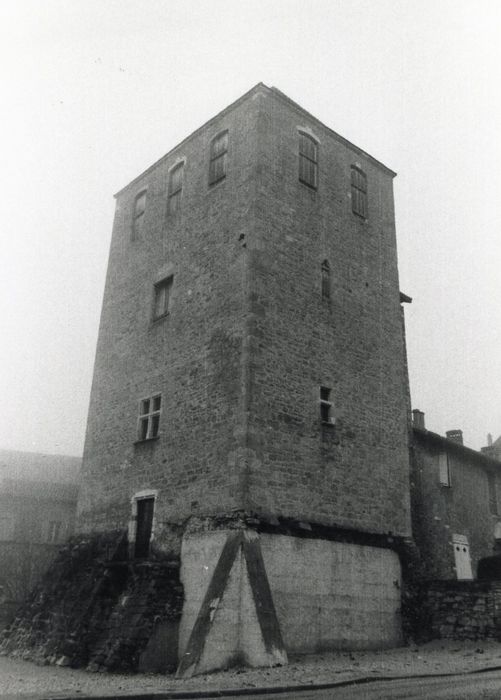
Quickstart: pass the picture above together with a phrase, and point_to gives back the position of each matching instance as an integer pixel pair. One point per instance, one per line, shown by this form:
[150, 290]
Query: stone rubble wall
[96, 609]
[461, 610]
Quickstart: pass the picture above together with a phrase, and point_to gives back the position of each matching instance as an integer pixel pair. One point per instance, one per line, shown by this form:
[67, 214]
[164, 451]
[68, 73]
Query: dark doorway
[143, 527]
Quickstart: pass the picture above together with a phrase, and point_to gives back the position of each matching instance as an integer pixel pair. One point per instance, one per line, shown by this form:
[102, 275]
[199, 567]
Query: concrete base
[333, 595]
[324, 595]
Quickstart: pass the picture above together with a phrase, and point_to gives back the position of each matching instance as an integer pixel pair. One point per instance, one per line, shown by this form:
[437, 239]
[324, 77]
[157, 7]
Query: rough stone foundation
[97, 609]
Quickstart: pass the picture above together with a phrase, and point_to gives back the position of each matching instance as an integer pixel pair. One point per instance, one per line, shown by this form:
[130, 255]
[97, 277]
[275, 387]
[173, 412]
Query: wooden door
[143, 527]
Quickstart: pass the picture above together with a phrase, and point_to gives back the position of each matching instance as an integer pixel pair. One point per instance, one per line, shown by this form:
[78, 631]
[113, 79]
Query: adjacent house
[455, 497]
[38, 496]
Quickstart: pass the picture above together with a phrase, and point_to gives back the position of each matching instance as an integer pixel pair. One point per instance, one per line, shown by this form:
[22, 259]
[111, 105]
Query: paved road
[478, 686]
[482, 686]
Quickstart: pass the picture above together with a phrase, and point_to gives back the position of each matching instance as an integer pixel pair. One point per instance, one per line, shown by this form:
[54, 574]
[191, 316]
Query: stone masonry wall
[248, 341]
[192, 355]
[454, 610]
[355, 474]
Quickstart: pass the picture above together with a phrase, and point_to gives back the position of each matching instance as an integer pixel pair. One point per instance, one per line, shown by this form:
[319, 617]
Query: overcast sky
[95, 91]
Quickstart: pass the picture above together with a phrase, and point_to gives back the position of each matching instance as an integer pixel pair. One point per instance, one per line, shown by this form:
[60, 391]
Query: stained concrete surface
[22, 678]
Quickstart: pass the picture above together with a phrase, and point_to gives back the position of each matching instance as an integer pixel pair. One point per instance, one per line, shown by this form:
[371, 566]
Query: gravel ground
[20, 678]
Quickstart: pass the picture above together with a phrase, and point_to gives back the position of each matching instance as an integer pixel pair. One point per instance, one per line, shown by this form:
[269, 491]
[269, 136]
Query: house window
[326, 280]
[326, 406]
[175, 187]
[308, 160]
[358, 192]
[218, 151]
[6, 528]
[161, 297]
[444, 471]
[54, 531]
[138, 214]
[149, 417]
[493, 497]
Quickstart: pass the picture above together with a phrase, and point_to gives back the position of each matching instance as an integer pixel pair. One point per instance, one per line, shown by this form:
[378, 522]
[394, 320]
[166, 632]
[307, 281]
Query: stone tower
[249, 402]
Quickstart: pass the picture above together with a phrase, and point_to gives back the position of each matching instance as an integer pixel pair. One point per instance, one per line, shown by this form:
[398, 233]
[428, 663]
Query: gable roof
[36, 466]
[428, 437]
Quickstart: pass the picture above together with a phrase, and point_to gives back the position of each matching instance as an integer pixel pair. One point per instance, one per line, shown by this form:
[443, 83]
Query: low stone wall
[97, 609]
[453, 610]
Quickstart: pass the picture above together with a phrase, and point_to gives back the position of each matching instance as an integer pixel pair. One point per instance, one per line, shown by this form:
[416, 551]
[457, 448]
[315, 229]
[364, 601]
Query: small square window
[149, 417]
[161, 298]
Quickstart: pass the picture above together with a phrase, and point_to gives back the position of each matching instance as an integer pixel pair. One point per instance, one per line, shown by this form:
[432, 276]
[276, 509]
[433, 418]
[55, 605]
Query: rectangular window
[54, 531]
[358, 192]
[308, 160]
[6, 528]
[493, 497]
[138, 214]
[326, 406]
[218, 153]
[161, 297]
[444, 472]
[149, 417]
[175, 187]
[326, 280]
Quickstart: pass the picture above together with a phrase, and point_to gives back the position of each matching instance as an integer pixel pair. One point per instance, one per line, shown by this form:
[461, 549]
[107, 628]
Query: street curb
[268, 690]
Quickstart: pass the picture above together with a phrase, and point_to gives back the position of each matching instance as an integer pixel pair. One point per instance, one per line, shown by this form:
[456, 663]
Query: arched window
[308, 160]
[138, 214]
[358, 191]
[175, 187]
[326, 280]
[218, 151]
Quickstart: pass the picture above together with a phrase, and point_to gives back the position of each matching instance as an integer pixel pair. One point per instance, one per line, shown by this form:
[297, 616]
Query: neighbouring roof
[35, 466]
[38, 490]
[427, 436]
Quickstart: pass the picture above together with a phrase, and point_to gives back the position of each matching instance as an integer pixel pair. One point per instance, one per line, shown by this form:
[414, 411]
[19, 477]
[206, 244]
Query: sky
[94, 92]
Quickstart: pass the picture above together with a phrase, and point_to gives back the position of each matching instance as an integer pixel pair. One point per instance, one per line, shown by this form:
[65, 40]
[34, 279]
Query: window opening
[326, 280]
[358, 192]
[444, 470]
[149, 417]
[218, 153]
[308, 160]
[138, 215]
[325, 406]
[54, 531]
[161, 297]
[144, 527]
[175, 187]
[493, 500]
[6, 528]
